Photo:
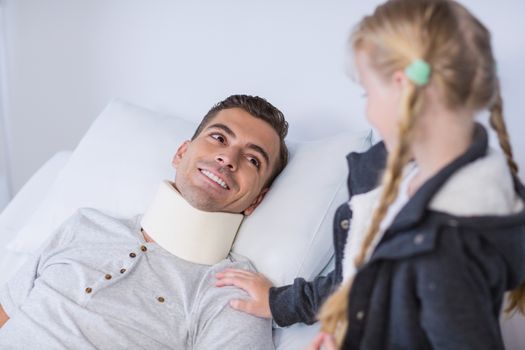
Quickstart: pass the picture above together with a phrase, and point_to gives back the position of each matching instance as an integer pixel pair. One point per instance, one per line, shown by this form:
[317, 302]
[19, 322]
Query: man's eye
[219, 138]
[254, 161]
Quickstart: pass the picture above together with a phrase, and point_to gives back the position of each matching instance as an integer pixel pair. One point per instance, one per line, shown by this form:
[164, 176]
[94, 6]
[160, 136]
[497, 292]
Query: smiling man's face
[227, 166]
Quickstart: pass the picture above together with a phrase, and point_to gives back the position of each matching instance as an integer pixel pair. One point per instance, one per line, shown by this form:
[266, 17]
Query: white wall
[67, 58]
[5, 183]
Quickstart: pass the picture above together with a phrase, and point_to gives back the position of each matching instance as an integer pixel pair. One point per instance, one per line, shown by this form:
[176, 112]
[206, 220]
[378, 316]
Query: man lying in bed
[103, 283]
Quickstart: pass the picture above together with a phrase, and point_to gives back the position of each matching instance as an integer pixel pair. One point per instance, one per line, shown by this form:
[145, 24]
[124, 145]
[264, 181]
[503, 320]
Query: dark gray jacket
[301, 301]
[435, 280]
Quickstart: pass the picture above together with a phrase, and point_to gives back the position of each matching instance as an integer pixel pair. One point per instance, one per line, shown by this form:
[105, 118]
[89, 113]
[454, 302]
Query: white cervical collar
[191, 234]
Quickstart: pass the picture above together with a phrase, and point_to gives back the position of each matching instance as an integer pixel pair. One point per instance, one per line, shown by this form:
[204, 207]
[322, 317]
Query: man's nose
[228, 160]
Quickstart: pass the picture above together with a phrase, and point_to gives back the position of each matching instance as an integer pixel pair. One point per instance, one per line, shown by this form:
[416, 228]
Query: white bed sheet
[27, 201]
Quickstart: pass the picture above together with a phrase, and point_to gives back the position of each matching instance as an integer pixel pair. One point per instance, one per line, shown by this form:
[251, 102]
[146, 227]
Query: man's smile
[215, 178]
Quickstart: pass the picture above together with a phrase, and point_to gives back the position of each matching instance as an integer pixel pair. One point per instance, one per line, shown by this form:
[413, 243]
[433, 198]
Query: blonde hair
[458, 48]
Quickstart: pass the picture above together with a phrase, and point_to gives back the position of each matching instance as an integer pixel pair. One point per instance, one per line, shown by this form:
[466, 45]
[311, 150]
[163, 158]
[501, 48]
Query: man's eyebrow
[223, 128]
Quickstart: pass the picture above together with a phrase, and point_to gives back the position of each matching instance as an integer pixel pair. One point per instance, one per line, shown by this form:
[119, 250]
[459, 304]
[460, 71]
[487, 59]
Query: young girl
[432, 248]
[431, 251]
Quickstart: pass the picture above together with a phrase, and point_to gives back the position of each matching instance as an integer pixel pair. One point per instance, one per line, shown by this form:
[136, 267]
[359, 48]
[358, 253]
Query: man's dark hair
[258, 107]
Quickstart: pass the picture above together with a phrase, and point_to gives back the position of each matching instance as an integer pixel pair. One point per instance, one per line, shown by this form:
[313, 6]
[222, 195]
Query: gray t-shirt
[98, 285]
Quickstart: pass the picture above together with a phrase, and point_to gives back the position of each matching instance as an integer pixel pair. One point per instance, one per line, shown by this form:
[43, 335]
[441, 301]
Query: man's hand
[255, 284]
[323, 341]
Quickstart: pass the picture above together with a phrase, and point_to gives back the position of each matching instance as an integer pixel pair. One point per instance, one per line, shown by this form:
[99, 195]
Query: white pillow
[25, 203]
[290, 233]
[28, 199]
[121, 160]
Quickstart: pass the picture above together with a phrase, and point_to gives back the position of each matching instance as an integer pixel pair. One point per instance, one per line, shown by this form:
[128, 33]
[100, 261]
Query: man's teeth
[214, 178]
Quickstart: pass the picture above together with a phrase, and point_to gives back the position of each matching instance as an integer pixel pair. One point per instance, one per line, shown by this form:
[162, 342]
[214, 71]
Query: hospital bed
[117, 168]
[289, 235]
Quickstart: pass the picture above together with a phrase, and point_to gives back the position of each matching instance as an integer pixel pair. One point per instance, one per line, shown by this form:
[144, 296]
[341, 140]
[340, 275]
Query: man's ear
[180, 153]
[256, 202]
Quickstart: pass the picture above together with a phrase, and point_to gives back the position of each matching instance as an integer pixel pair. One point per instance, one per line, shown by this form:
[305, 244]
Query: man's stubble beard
[198, 198]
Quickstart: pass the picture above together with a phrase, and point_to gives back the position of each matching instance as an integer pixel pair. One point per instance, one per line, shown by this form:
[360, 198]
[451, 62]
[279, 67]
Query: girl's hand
[323, 341]
[255, 284]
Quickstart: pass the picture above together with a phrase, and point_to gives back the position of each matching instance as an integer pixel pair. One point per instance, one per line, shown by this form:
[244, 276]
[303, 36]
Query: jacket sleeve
[300, 301]
[457, 290]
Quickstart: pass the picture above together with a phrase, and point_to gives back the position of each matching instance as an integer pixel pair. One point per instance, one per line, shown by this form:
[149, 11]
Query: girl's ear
[400, 80]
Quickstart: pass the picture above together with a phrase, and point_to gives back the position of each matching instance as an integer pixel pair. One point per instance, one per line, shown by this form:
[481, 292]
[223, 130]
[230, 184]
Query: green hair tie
[418, 72]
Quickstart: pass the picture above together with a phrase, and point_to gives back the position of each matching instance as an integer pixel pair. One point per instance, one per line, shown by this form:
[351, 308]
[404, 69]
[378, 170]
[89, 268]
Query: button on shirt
[98, 285]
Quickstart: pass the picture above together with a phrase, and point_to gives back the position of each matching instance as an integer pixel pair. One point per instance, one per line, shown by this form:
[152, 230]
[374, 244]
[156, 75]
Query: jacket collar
[414, 210]
[419, 230]
[365, 169]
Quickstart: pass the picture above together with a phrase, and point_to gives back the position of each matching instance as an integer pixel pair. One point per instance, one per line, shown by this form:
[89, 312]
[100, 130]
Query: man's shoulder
[97, 215]
[217, 324]
[93, 224]
[211, 298]
[234, 261]
[221, 295]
